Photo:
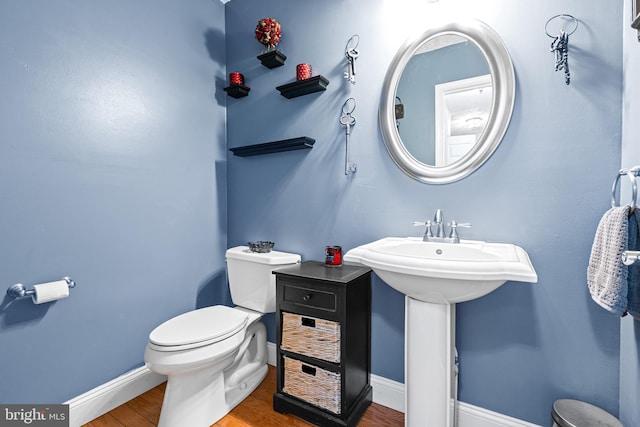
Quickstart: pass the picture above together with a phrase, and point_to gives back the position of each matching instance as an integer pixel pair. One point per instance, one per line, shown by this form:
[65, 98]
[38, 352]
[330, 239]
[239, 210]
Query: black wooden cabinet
[323, 333]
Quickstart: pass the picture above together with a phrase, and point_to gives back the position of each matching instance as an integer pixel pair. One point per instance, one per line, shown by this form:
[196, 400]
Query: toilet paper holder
[20, 291]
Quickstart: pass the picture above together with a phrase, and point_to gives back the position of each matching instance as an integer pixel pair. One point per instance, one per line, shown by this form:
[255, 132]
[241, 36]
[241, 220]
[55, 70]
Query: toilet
[214, 357]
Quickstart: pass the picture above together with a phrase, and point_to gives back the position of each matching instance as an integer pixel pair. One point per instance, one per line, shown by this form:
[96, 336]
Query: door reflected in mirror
[462, 109]
[443, 88]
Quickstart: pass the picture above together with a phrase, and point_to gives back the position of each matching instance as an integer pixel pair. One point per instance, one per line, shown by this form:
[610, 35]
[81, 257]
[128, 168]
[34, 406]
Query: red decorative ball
[268, 32]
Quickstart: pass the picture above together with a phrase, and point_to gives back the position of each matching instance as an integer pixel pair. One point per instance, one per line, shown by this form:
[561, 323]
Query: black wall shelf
[301, 143]
[272, 59]
[303, 87]
[237, 91]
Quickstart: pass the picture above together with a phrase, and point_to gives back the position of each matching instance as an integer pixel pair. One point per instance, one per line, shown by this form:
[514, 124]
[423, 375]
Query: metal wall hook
[573, 24]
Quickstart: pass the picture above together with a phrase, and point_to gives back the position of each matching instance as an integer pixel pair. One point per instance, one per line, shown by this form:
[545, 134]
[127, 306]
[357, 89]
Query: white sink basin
[444, 273]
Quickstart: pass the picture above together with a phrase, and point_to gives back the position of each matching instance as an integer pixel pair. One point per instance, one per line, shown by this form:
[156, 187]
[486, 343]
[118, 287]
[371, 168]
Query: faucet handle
[455, 224]
[427, 224]
[453, 234]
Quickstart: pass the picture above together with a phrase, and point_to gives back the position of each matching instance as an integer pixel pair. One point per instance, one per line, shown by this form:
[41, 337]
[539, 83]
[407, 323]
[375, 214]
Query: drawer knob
[306, 298]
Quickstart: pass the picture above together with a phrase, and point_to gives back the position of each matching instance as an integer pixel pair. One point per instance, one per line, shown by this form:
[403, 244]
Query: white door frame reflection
[462, 108]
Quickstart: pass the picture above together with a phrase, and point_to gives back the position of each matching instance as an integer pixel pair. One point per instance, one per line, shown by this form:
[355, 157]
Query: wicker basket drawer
[312, 384]
[310, 336]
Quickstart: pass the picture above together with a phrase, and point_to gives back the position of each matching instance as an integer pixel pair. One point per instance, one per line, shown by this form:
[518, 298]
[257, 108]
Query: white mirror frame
[503, 78]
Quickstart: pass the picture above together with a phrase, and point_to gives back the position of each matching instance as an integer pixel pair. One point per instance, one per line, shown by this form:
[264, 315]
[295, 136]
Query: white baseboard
[474, 416]
[386, 392]
[390, 393]
[271, 354]
[104, 398]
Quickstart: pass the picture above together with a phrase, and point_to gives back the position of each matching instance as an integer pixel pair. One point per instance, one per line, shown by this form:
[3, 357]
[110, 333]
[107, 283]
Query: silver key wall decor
[564, 25]
[351, 54]
[348, 120]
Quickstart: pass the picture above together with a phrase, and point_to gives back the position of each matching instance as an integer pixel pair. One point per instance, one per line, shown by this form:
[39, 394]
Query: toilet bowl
[214, 357]
[196, 391]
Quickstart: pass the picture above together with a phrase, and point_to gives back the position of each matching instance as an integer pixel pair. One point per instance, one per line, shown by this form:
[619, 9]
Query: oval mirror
[447, 101]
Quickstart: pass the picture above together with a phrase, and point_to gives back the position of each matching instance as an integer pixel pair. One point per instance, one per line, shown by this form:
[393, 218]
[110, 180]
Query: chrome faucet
[440, 236]
[437, 220]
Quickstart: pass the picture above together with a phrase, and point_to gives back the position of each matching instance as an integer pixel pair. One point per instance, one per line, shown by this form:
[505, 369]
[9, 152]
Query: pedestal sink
[434, 277]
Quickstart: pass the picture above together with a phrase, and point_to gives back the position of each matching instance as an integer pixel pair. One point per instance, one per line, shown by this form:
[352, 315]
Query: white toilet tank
[251, 281]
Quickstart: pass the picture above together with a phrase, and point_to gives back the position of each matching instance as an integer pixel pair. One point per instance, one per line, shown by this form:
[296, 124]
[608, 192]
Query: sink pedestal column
[429, 358]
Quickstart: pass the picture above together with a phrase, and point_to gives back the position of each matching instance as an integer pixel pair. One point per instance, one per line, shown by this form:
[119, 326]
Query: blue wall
[545, 188]
[112, 171]
[630, 328]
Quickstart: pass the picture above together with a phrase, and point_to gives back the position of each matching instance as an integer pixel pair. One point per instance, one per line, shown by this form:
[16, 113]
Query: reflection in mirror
[439, 75]
[456, 86]
[462, 109]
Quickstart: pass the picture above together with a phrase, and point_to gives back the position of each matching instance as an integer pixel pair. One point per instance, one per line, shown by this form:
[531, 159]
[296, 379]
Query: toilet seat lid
[206, 326]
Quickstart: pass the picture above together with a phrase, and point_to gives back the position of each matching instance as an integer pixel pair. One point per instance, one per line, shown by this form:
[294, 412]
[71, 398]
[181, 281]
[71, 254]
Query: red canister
[236, 78]
[303, 71]
[333, 256]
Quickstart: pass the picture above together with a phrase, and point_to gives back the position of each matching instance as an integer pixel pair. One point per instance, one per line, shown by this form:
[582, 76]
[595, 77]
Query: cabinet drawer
[311, 336]
[309, 297]
[312, 384]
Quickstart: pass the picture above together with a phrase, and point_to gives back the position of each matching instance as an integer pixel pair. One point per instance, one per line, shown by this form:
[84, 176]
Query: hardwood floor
[255, 411]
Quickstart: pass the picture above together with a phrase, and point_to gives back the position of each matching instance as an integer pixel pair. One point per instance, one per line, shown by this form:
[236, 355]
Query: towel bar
[630, 257]
[632, 173]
